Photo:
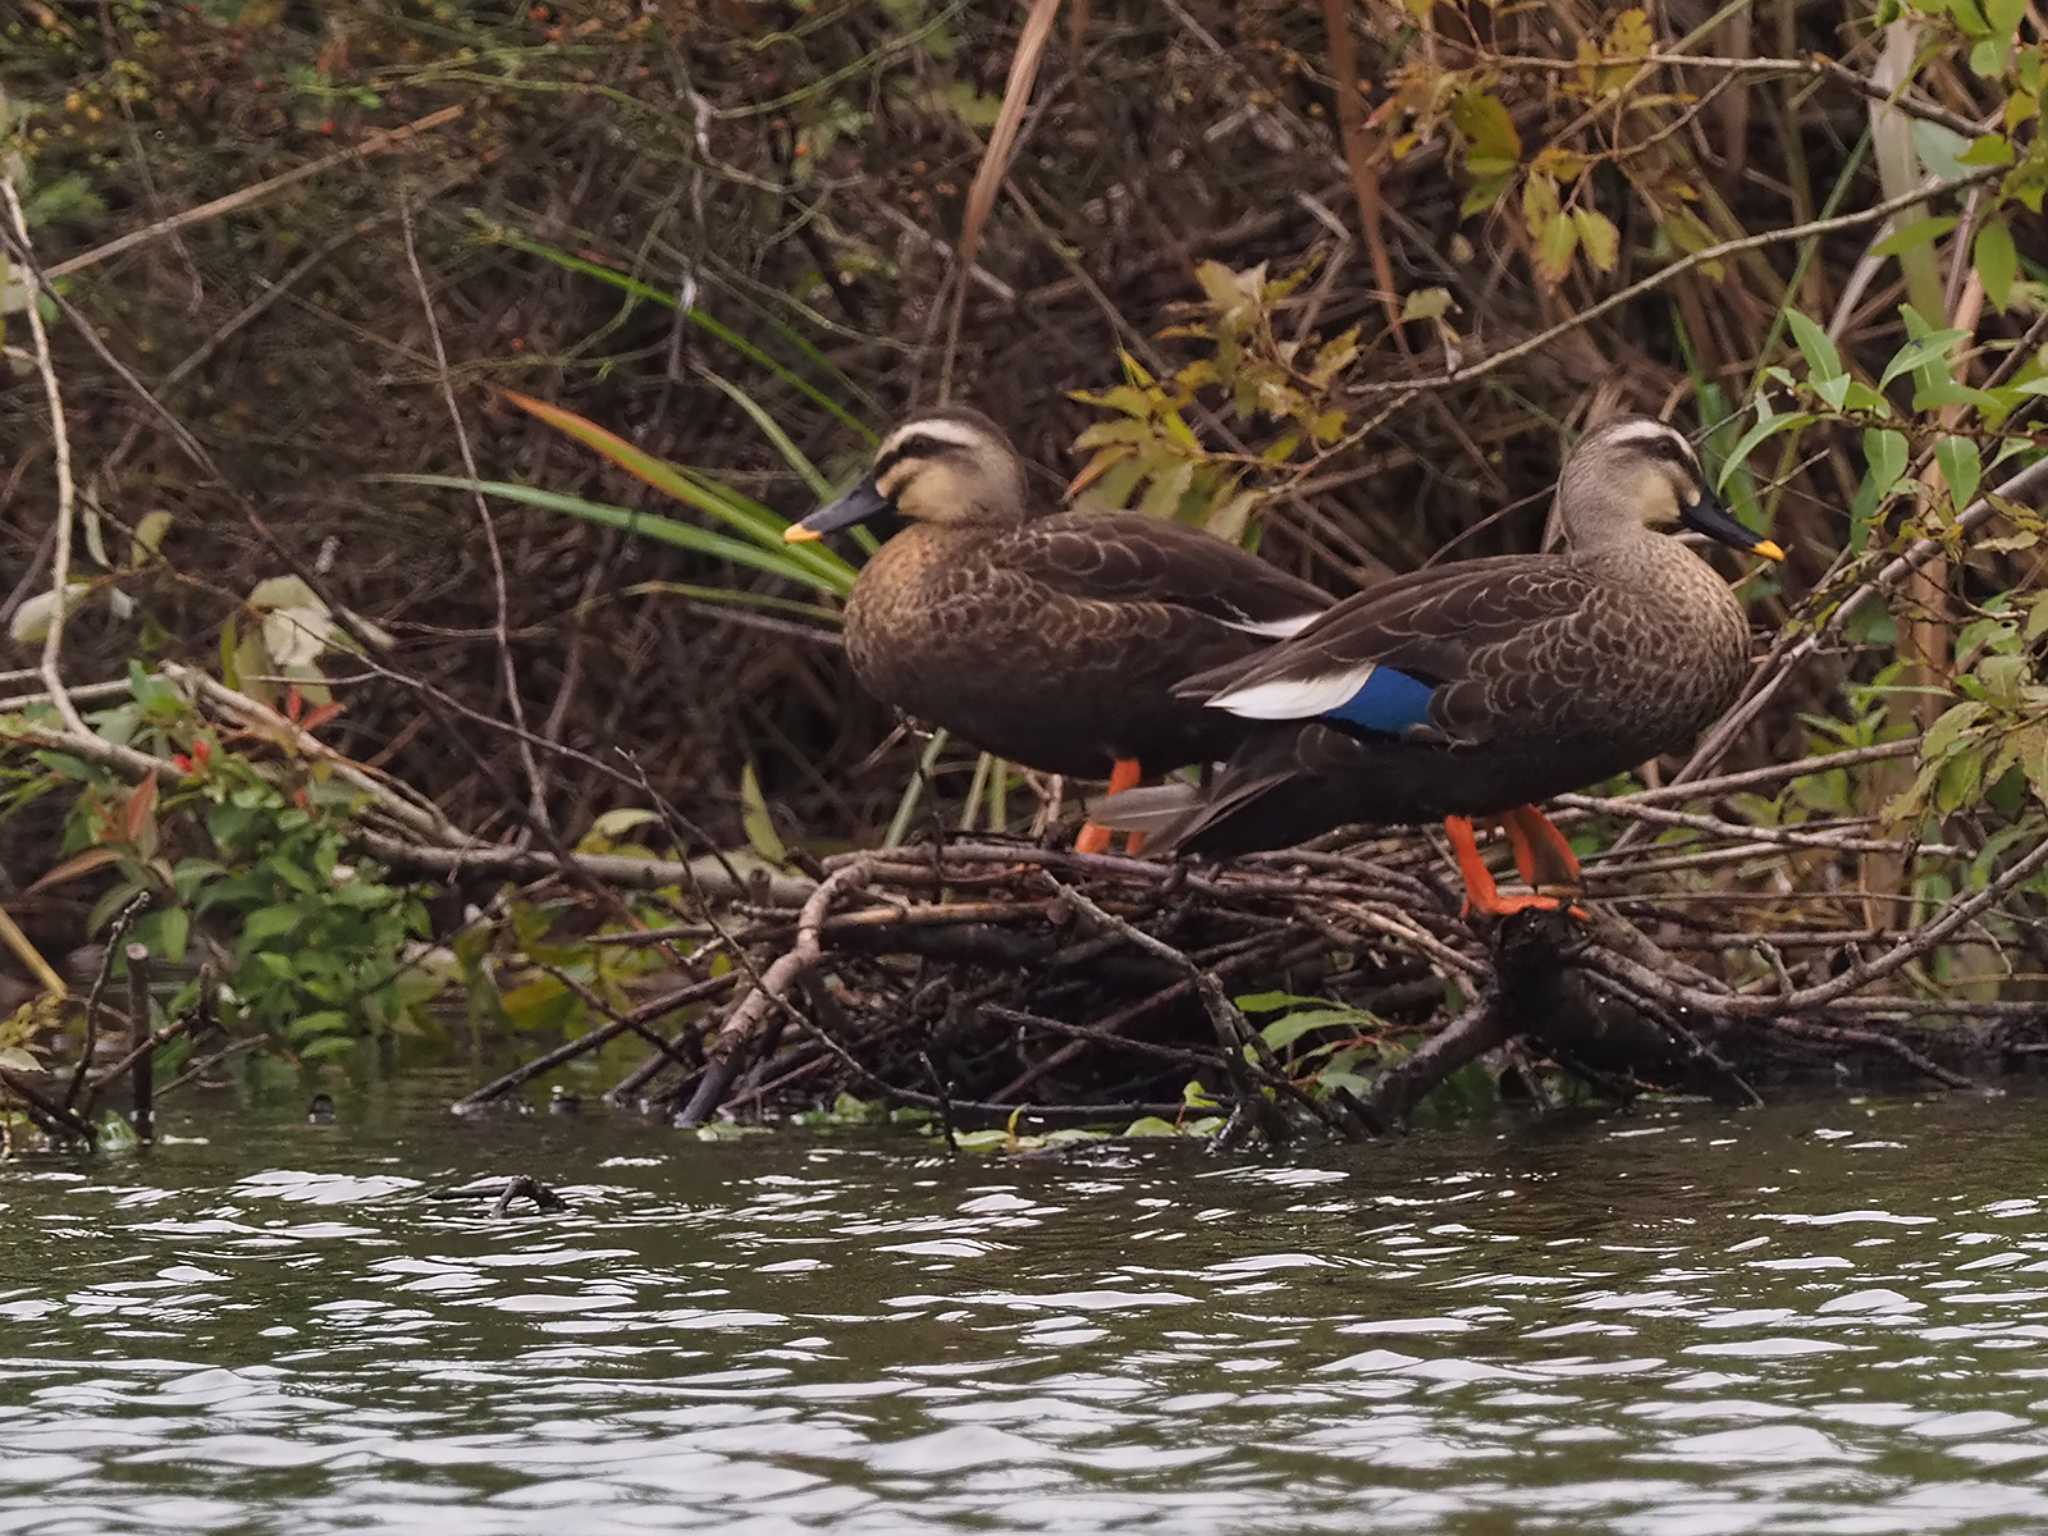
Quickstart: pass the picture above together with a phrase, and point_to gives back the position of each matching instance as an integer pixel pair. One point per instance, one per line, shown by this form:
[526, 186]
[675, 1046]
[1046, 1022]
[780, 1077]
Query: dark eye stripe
[916, 446]
[1670, 450]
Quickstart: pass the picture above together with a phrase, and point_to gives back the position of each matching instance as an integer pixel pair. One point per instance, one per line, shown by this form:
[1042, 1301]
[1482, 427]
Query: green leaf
[1991, 149]
[1911, 236]
[1885, 452]
[2037, 618]
[171, 928]
[1919, 353]
[1150, 1125]
[1961, 466]
[1938, 147]
[1997, 261]
[1267, 1002]
[1282, 1033]
[1948, 730]
[269, 923]
[1822, 360]
[1767, 427]
[2003, 677]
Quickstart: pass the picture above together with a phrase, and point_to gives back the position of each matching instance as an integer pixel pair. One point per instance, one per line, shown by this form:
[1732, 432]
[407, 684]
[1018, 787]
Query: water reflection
[1676, 1321]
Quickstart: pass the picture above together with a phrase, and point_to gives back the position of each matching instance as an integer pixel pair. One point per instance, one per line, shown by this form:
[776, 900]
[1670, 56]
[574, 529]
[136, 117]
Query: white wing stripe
[1278, 629]
[1293, 698]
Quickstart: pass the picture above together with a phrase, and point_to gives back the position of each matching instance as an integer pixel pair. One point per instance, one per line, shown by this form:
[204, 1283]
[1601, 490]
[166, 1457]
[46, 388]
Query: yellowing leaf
[755, 820]
[1599, 237]
[2034, 759]
[1554, 248]
[1427, 304]
[1539, 205]
[1558, 163]
[1630, 36]
[1489, 131]
[1484, 193]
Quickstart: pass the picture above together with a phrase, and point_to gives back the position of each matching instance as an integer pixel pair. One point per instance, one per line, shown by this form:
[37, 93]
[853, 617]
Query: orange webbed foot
[1123, 775]
[1482, 896]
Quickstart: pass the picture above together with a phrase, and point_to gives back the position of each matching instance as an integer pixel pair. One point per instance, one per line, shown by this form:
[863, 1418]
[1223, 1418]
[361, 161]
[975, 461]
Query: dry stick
[1112, 1024]
[1180, 1056]
[1839, 842]
[1233, 1034]
[1770, 773]
[51, 1115]
[2026, 482]
[375, 144]
[1692, 261]
[147, 1046]
[629, 1020]
[67, 494]
[143, 1102]
[394, 796]
[1466, 1038]
[127, 915]
[1953, 915]
[613, 869]
[584, 1044]
[1814, 68]
[434, 698]
[1871, 1039]
[253, 311]
[735, 1036]
[508, 675]
[995, 161]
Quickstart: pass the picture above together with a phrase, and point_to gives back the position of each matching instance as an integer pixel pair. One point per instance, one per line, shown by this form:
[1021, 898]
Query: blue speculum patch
[1390, 702]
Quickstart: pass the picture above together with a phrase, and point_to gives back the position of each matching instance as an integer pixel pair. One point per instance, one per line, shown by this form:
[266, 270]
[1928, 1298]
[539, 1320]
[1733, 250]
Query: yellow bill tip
[797, 533]
[1768, 549]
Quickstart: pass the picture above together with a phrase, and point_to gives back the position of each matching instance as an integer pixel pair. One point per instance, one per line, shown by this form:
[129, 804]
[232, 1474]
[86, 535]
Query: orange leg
[1481, 894]
[1541, 851]
[1124, 775]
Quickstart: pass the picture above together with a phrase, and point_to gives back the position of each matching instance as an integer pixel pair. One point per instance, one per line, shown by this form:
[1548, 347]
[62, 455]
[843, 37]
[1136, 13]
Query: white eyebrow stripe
[1651, 431]
[956, 434]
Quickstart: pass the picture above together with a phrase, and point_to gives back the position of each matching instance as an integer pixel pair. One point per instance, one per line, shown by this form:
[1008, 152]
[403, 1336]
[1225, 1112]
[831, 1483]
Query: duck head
[951, 466]
[1634, 473]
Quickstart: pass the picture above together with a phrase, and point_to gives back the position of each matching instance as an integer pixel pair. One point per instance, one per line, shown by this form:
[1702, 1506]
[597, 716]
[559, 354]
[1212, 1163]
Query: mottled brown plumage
[1052, 640]
[1543, 673]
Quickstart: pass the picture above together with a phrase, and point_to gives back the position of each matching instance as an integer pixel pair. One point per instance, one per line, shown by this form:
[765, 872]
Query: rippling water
[1824, 1318]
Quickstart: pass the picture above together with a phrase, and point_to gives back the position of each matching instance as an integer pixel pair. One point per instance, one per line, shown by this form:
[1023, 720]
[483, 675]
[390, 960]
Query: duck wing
[1122, 558]
[1459, 655]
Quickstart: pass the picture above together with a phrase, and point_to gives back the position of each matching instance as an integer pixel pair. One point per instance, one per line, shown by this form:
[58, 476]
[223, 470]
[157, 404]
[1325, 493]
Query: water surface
[1818, 1318]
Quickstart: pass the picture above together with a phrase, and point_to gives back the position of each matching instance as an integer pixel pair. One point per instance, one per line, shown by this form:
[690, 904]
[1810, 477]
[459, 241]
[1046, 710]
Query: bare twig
[508, 675]
[67, 494]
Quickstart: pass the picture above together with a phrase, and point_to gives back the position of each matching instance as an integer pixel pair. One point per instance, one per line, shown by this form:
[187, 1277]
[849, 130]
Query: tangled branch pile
[1342, 278]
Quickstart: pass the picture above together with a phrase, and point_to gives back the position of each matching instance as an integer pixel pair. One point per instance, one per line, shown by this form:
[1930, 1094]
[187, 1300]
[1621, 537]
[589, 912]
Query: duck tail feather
[1150, 810]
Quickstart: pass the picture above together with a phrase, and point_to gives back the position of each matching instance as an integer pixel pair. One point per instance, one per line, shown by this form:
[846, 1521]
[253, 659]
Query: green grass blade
[913, 792]
[697, 317]
[792, 455]
[653, 525]
[694, 490]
